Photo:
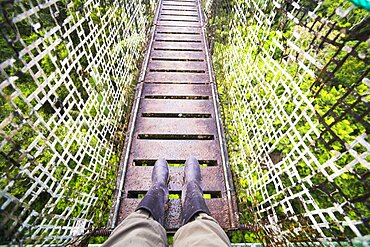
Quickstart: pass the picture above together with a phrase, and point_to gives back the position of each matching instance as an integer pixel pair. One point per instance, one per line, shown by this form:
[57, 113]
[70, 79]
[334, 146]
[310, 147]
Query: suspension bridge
[271, 97]
[176, 114]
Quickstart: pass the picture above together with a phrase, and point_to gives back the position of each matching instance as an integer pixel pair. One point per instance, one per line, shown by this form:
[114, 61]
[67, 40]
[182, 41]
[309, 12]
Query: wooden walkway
[176, 115]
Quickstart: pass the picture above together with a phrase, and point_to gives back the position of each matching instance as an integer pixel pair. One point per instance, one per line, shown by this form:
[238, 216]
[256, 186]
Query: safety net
[67, 78]
[295, 90]
[293, 78]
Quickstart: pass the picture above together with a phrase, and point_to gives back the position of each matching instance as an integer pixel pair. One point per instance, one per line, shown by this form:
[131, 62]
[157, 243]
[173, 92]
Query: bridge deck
[176, 115]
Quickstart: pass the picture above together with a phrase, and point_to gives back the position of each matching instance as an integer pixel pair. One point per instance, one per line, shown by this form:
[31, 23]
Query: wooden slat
[178, 45]
[173, 217]
[180, 3]
[176, 8]
[177, 90]
[178, 13]
[178, 23]
[211, 178]
[176, 106]
[177, 55]
[179, 18]
[178, 65]
[177, 77]
[179, 29]
[216, 206]
[171, 126]
[175, 37]
[175, 150]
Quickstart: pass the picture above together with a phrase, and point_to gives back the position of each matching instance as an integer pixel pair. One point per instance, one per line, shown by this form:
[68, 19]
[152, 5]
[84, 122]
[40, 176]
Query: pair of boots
[192, 193]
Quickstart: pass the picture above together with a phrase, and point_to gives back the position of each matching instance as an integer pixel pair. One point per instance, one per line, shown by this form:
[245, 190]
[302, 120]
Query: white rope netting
[295, 90]
[67, 74]
[294, 83]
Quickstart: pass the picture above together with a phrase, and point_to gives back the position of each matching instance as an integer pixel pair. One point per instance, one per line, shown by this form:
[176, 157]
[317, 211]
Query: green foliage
[37, 134]
[243, 49]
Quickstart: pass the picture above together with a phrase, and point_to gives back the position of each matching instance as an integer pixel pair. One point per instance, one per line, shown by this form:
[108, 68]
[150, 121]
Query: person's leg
[199, 228]
[203, 231]
[145, 226]
[137, 230]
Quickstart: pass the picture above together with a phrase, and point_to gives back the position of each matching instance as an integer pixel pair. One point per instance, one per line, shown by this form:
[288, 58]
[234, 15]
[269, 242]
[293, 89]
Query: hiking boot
[192, 193]
[157, 196]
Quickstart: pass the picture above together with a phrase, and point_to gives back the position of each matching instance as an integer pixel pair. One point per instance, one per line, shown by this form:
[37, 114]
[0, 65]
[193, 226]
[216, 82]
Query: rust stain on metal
[176, 118]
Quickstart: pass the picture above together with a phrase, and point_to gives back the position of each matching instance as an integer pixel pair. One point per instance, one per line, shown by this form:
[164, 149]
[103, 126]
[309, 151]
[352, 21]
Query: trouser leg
[139, 229]
[203, 231]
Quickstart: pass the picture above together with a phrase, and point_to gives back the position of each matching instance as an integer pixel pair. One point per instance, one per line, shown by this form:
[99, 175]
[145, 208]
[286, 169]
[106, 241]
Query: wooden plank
[182, 9]
[178, 77]
[176, 106]
[178, 13]
[157, 55]
[173, 126]
[178, 18]
[211, 178]
[178, 23]
[175, 37]
[197, 67]
[192, 30]
[128, 206]
[180, 3]
[177, 90]
[220, 211]
[178, 46]
[218, 208]
[175, 149]
[173, 215]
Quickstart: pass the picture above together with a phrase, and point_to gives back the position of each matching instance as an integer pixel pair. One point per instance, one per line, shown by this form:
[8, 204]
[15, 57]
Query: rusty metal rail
[176, 115]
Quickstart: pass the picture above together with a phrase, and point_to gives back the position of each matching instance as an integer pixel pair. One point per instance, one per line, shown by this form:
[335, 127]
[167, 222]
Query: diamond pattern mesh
[294, 83]
[67, 74]
[295, 89]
